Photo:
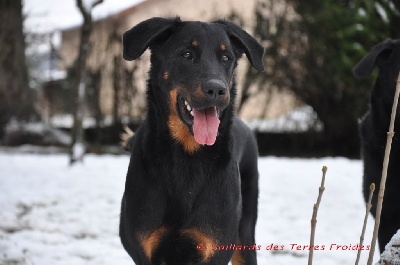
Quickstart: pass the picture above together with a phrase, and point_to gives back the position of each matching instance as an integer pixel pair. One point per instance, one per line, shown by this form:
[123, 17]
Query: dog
[373, 130]
[191, 188]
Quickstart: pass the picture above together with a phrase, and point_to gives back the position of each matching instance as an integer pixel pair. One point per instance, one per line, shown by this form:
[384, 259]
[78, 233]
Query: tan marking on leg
[151, 241]
[201, 238]
[179, 131]
[237, 258]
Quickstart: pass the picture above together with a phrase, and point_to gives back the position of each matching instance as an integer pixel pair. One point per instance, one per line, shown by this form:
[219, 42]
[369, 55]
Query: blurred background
[306, 103]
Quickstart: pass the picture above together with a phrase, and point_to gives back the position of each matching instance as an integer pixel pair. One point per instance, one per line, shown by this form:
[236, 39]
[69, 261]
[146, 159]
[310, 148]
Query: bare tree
[15, 94]
[77, 146]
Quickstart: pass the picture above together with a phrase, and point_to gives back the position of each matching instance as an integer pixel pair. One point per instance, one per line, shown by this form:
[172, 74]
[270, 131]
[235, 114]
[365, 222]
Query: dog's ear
[246, 43]
[365, 66]
[136, 40]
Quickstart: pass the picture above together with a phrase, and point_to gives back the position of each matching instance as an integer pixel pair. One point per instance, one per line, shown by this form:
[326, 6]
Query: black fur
[171, 188]
[374, 127]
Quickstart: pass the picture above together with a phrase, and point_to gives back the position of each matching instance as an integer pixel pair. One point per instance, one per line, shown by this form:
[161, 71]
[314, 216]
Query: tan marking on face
[179, 131]
[195, 43]
[201, 238]
[222, 47]
[227, 97]
[199, 94]
[150, 241]
[165, 76]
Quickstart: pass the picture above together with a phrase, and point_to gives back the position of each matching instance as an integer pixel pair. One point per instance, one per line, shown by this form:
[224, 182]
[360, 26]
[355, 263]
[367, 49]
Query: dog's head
[386, 56]
[193, 64]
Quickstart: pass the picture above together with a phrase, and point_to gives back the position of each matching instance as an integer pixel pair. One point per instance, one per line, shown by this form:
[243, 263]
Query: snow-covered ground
[391, 255]
[53, 214]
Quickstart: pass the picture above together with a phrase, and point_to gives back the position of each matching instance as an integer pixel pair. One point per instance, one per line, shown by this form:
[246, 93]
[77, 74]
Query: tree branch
[314, 215]
[367, 208]
[97, 3]
[82, 9]
[87, 13]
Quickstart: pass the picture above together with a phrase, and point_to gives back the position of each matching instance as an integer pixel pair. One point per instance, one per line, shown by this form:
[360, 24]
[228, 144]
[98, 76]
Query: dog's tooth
[186, 103]
[191, 112]
[189, 108]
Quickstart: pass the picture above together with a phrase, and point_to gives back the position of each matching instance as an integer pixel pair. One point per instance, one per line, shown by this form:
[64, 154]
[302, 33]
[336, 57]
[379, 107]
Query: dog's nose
[214, 89]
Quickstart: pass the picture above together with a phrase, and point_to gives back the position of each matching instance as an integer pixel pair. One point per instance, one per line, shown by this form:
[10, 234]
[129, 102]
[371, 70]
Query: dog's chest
[197, 188]
[185, 181]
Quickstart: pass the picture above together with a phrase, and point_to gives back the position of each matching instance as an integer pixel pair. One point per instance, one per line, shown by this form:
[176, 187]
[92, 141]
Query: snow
[47, 134]
[301, 119]
[391, 255]
[53, 214]
[67, 121]
[78, 151]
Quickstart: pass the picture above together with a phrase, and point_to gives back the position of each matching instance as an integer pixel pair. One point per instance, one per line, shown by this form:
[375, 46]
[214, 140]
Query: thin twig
[384, 172]
[367, 208]
[314, 215]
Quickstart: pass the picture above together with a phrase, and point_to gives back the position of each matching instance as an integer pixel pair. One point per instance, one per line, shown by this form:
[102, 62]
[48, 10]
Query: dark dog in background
[192, 184]
[374, 127]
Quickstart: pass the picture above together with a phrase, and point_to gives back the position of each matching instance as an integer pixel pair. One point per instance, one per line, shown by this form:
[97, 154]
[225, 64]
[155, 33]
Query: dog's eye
[225, 58]
[187, 55]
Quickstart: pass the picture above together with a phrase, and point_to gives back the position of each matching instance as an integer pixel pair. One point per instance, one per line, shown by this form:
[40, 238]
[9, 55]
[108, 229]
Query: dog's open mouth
[203, 123]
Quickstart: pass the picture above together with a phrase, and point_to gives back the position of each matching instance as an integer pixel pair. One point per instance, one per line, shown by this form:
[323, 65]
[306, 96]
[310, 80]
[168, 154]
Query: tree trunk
[15, 95]
[77, 150]
[117, 88]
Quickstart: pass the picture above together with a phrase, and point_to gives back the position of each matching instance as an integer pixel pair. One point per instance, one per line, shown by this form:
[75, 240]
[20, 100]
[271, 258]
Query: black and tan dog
[192, 184]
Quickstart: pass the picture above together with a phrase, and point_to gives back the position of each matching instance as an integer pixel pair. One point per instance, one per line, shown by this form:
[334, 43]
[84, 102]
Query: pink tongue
[205, 126]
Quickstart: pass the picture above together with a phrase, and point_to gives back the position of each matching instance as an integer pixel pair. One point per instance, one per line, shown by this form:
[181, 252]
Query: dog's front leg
[142, 211]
